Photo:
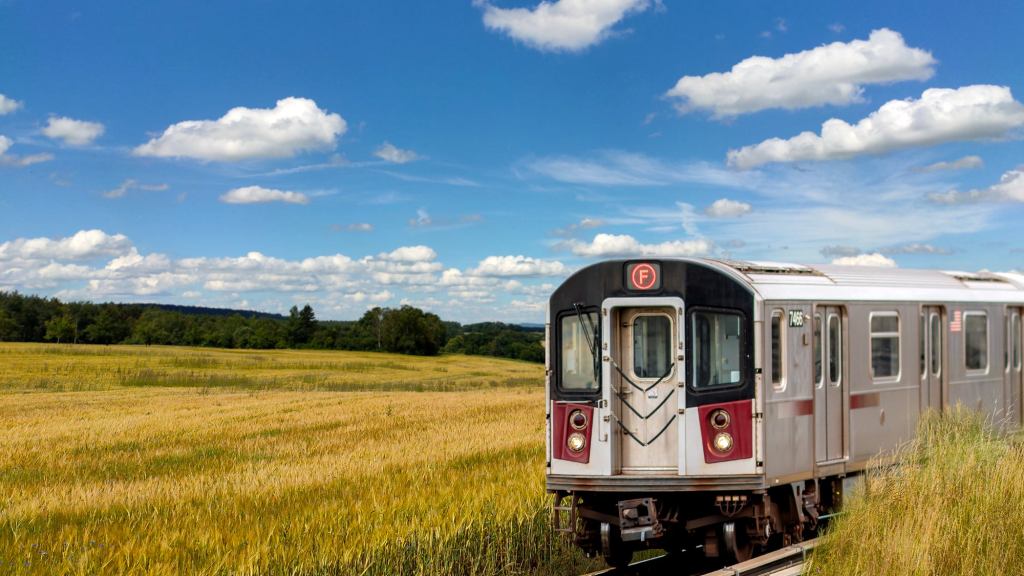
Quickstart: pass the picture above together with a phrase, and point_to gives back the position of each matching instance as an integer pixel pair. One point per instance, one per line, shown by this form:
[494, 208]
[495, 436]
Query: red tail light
[727, 431]
[570, 431]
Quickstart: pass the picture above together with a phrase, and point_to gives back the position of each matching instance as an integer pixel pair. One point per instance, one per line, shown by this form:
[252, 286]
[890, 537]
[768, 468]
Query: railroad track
[786, 561]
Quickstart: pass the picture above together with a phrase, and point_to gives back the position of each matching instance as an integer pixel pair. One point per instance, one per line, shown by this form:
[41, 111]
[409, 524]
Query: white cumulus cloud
[507, 266]
[8, 105]
[873, 259]
[833, 74]
[1010, 188]
[563, 25]
[410, 254]
[84, 244]
[391, 153]
[261, 195]
[940, 115]
[725, 208]
[73, 132]
[608, 245]
[292, 126]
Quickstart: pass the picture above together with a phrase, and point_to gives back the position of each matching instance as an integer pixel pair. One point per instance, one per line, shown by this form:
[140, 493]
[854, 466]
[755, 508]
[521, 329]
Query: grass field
[195, 461]
[954, 509]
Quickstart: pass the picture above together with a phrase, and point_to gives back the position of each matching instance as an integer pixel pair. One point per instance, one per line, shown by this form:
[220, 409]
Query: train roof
[786, 281]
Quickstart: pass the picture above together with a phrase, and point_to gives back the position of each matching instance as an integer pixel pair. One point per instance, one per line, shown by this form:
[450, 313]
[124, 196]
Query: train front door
[1012, 369]
[933, 351]
[646, 388]
[830, 384]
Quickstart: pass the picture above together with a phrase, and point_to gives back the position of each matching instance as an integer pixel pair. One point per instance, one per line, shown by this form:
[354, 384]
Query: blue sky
[466, 156]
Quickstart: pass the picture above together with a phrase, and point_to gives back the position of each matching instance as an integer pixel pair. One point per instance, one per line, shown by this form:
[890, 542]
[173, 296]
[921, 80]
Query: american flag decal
[956, 323]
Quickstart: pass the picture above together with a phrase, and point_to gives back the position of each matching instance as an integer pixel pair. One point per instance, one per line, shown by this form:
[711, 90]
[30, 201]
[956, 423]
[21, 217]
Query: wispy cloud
[131, 184]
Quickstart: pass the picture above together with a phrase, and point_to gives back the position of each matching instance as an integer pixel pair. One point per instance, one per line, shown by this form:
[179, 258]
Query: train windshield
[716, 349]
[579, 337]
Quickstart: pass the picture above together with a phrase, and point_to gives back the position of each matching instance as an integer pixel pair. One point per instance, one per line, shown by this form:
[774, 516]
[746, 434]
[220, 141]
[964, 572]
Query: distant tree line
[405, 330]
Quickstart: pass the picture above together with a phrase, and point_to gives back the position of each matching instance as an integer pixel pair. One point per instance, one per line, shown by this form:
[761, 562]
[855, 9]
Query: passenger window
[835, 349]
[818, 373]
[885, 345]
[923, 345]
[778, 352]
[936, 344]
[1015, 338]
[652, 346]
[579, 338]
[716, 349]
[976, 341]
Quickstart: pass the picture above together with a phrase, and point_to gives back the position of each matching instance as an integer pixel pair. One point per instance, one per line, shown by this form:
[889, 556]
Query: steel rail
[787, 561]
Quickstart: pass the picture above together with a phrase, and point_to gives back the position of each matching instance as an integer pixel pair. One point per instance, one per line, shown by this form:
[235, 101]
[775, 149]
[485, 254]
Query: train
[727, 407]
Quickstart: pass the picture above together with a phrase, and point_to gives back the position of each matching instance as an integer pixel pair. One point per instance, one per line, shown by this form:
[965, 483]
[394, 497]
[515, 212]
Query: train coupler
[638, 520]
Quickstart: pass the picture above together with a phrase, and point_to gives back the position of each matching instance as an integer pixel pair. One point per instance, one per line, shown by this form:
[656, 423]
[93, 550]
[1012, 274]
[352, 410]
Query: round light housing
[720, 419]
[722, 442]
[576, 442]
[578, 420]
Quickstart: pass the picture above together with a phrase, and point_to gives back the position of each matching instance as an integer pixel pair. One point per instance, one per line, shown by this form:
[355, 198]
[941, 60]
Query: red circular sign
[643, 276]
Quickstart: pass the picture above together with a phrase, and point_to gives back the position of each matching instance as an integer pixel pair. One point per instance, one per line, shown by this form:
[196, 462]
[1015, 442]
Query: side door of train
[1013, 373]
[830, 384]
[933, 354]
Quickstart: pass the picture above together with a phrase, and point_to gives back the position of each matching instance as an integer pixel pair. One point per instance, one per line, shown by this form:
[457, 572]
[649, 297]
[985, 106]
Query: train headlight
[720, 419]
[578, 420]
[722, 442]
[576, 442]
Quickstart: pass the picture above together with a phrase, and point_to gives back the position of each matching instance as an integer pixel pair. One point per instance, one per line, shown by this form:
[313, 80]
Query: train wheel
[737, 542]
[615, 552]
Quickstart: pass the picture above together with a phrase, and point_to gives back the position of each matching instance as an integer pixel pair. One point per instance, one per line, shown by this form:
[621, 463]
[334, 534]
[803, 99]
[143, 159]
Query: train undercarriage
[725, 527]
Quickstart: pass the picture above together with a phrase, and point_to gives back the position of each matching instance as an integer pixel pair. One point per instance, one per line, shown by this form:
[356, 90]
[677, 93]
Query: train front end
[653, 437]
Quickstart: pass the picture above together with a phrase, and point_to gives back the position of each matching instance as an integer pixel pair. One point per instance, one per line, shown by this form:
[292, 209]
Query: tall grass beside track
[283, 462]
[956, 508]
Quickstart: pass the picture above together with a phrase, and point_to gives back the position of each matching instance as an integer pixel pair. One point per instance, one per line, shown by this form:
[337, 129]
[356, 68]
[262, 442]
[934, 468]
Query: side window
[1015, 338]
[923, 344]
[835, 349]
[716, 338]
[778, 352]
[885, 345]
[976, 341]
[652, 346]
[819, 374]
[936, 344]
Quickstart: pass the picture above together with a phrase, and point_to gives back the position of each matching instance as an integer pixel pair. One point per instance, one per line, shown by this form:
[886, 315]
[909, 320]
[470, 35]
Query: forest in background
[404, 330]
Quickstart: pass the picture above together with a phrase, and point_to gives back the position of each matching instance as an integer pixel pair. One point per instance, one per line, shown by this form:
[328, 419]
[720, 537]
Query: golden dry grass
[252, 479]
[955, 508]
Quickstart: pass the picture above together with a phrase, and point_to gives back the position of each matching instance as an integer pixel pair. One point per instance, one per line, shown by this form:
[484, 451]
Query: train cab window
[976, 341]
[716, 349]
[778, 352]
[885, 345]
[818, 372]
[652, 346]
[579, 338]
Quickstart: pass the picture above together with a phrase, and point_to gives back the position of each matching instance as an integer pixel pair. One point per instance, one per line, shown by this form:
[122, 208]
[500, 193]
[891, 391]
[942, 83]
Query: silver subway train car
[726, 406]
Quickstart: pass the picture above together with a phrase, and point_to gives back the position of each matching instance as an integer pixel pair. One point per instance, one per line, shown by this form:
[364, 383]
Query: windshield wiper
[590, 335]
